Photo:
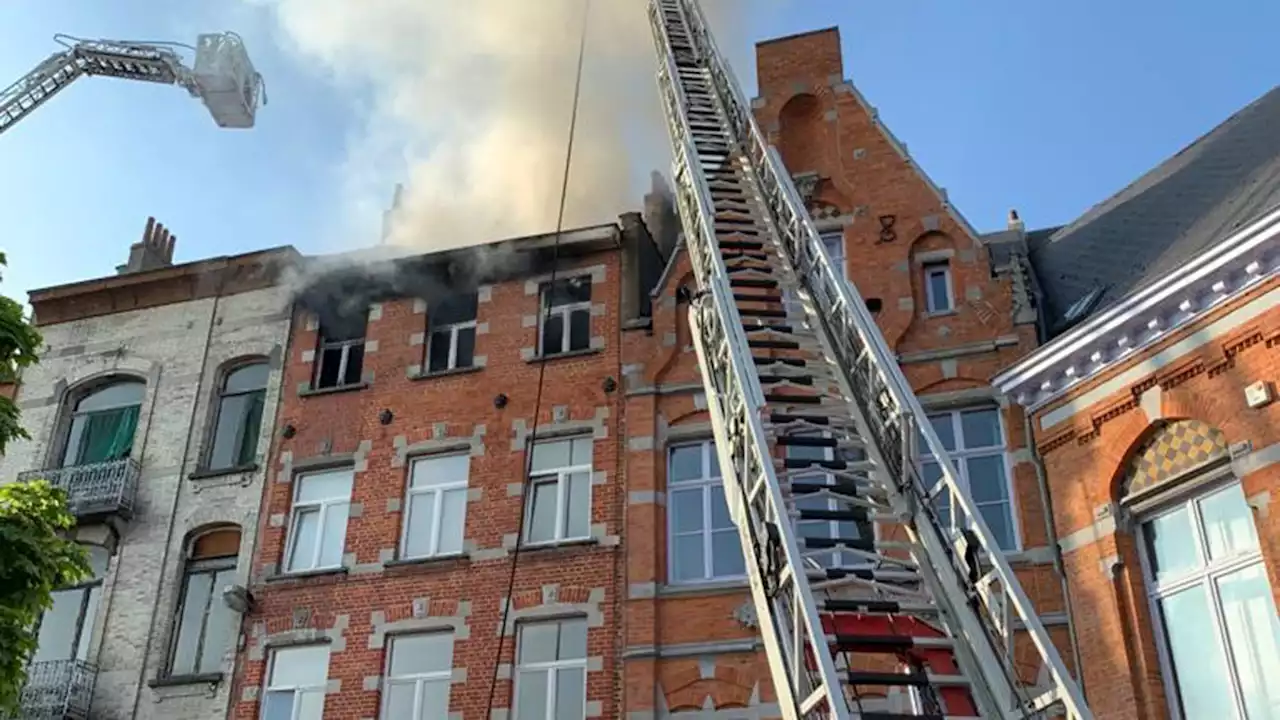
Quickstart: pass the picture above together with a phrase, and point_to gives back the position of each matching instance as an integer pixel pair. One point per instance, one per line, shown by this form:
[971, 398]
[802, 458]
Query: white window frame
[546, 310]
[322, 506]
[963, 452]
[417, 680]
[559, 476]
[437, 506]
[706, 483]
[931, 299]
[1206, 577]
[344, 356]
[453, 329]
[833, 242]
[552, 668]
[295, 690]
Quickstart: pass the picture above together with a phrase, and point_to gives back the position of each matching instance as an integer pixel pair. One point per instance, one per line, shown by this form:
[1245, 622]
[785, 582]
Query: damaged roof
[1186, 204]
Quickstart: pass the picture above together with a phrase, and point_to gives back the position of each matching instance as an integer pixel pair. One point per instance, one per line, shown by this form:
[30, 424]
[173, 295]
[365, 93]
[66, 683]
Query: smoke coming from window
[468, 103]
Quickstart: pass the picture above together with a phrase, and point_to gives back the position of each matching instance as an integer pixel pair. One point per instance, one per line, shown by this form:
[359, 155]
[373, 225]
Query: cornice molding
[1245, 259]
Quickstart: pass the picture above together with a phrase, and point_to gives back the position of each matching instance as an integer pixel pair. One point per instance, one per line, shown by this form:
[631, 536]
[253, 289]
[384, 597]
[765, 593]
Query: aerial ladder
[222, 75]
[910, 610]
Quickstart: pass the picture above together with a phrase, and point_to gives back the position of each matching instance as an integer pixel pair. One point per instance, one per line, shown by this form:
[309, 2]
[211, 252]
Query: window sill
[705, 587]
[219, 472]
[310, 392]
[430, 560]
[303, 574]
[565, 355]
[941, 313]
[446, 373]
[558, 544]
[177, 680]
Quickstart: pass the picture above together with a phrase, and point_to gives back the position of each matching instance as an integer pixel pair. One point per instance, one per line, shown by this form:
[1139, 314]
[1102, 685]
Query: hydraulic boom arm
[222, 75]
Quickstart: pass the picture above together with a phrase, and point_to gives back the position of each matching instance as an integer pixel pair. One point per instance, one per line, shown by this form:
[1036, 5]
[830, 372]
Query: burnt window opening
[565, 320]
[340, 356]
[451, 333]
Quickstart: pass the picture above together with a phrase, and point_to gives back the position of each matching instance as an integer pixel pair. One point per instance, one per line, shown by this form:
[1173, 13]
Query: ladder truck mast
[911, 611]
[222, 75]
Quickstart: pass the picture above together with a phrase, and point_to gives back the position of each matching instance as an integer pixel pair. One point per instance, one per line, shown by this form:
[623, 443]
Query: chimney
[1015, 222]
[155, 250]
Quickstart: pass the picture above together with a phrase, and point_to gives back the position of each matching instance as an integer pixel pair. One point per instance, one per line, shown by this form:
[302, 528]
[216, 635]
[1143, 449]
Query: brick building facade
[147, 407]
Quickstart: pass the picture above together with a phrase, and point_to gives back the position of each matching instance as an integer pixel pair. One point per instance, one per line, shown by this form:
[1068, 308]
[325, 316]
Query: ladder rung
[788, 399]
[774, 344]
[793, 362]
[870, 677]
[780, 418]
[841, 488]
[849, 642]
[770, 379]
[856, 515]
[883, 607]
[831, 543]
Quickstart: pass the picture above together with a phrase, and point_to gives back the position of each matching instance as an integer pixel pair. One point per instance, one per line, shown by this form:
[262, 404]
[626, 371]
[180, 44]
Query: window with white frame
[834, 243]
[974, 438]
[559, 504]
[318, 528]
[937, 287]
[1220, 636]
[436, 507]
[565, 320]
[296, 683]
[419, 676]
[340, 355]
[704, 541]
[451, 333]
[551, 670]
[827, 529]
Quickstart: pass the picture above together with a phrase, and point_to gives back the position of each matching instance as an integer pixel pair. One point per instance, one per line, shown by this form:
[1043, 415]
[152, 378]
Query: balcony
[97, 490]
[57, 690]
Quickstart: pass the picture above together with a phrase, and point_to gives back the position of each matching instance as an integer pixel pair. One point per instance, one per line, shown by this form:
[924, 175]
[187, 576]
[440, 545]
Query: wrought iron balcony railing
[57, 690]
[96, 489]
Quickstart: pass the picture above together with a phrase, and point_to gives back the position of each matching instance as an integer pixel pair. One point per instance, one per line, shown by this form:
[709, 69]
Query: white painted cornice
[1243, 260]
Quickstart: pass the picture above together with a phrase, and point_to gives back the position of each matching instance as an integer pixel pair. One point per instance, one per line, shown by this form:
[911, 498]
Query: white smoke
[469, 102]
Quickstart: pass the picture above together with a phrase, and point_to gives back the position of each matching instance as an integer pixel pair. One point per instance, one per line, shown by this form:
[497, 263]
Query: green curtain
[108, 435]
[251, 427]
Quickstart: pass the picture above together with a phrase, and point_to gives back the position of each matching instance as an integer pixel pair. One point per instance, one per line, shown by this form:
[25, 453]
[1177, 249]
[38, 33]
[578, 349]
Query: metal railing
[105, 488]
[57, 690]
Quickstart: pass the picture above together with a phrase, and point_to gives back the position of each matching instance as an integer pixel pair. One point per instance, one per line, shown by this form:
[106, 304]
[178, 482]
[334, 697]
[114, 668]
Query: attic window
[341, 354]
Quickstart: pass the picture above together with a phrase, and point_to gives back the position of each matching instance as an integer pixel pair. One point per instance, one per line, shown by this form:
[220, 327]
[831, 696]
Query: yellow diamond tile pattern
[1180, 446]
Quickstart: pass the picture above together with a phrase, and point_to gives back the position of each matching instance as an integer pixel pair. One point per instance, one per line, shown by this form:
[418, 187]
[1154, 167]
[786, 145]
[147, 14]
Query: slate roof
[1185, 205]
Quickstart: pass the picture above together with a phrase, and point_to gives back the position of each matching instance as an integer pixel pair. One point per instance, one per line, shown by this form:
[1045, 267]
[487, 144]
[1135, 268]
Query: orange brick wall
[1086, 459]
[337, 424]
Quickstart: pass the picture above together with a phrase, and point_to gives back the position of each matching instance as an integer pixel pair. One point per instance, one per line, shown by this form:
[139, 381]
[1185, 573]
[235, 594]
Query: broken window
[566, 316]
[451, 333]
[340, 358]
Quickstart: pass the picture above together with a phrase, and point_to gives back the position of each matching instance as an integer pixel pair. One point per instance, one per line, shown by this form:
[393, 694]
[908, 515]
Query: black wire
[542, 366]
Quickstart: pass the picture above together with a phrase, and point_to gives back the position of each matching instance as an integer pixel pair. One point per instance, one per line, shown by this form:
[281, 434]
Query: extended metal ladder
[901, 606]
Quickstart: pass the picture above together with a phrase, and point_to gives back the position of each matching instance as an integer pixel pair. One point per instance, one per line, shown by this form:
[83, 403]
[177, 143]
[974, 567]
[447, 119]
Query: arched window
[103, 424]
[67, 627]
[204, 624]
[239, 419]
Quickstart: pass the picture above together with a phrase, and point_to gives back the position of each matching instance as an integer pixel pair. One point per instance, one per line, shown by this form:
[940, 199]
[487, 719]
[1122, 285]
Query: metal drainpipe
[1051, 528]
[177, 495]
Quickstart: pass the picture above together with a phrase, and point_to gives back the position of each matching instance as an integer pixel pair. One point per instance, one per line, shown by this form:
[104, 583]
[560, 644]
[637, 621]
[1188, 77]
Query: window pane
[191, 623]
[87, 622]
[311, 705]
[306, 529]
[1000, 521]
[552, 334]
[687, 557]
[542, 517]
[581, 450]
[305, 666]
[719, 509]
[981, 428]
[1172, 544]
[531, 695]
[568, 291]
[454, 309]
[1197, 655]
[438, 351]
[464, 355]
[251, 428]
[453, 520]
[278, 706]
[931, 475]
[579, 329]
[232, 415]
[435, 701]
[355, 360]
[726, 554]
[686, 511]
[400, 696]
[247, 377]
[987, 479]
[221, 627]
[333, 535]
[578, 511]
[113, 396]
[571, 694]
[713, 460]
[1253, 630]
[573, 639]
[330, 362]
[421, 514]
[538, 642]
[421, 654]
[686, 463]
[939, 297]
[324, 486]
[943, 428]
[99, 558]
[58, 626]
[1228, 523]
[439, 469]
[551, 455]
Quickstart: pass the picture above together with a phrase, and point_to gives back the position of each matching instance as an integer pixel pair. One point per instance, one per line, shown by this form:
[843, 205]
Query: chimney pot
[1015, 222]
[154, 250]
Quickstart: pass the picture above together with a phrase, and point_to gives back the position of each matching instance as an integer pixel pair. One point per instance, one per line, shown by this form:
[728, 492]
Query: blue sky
[1047, 107]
